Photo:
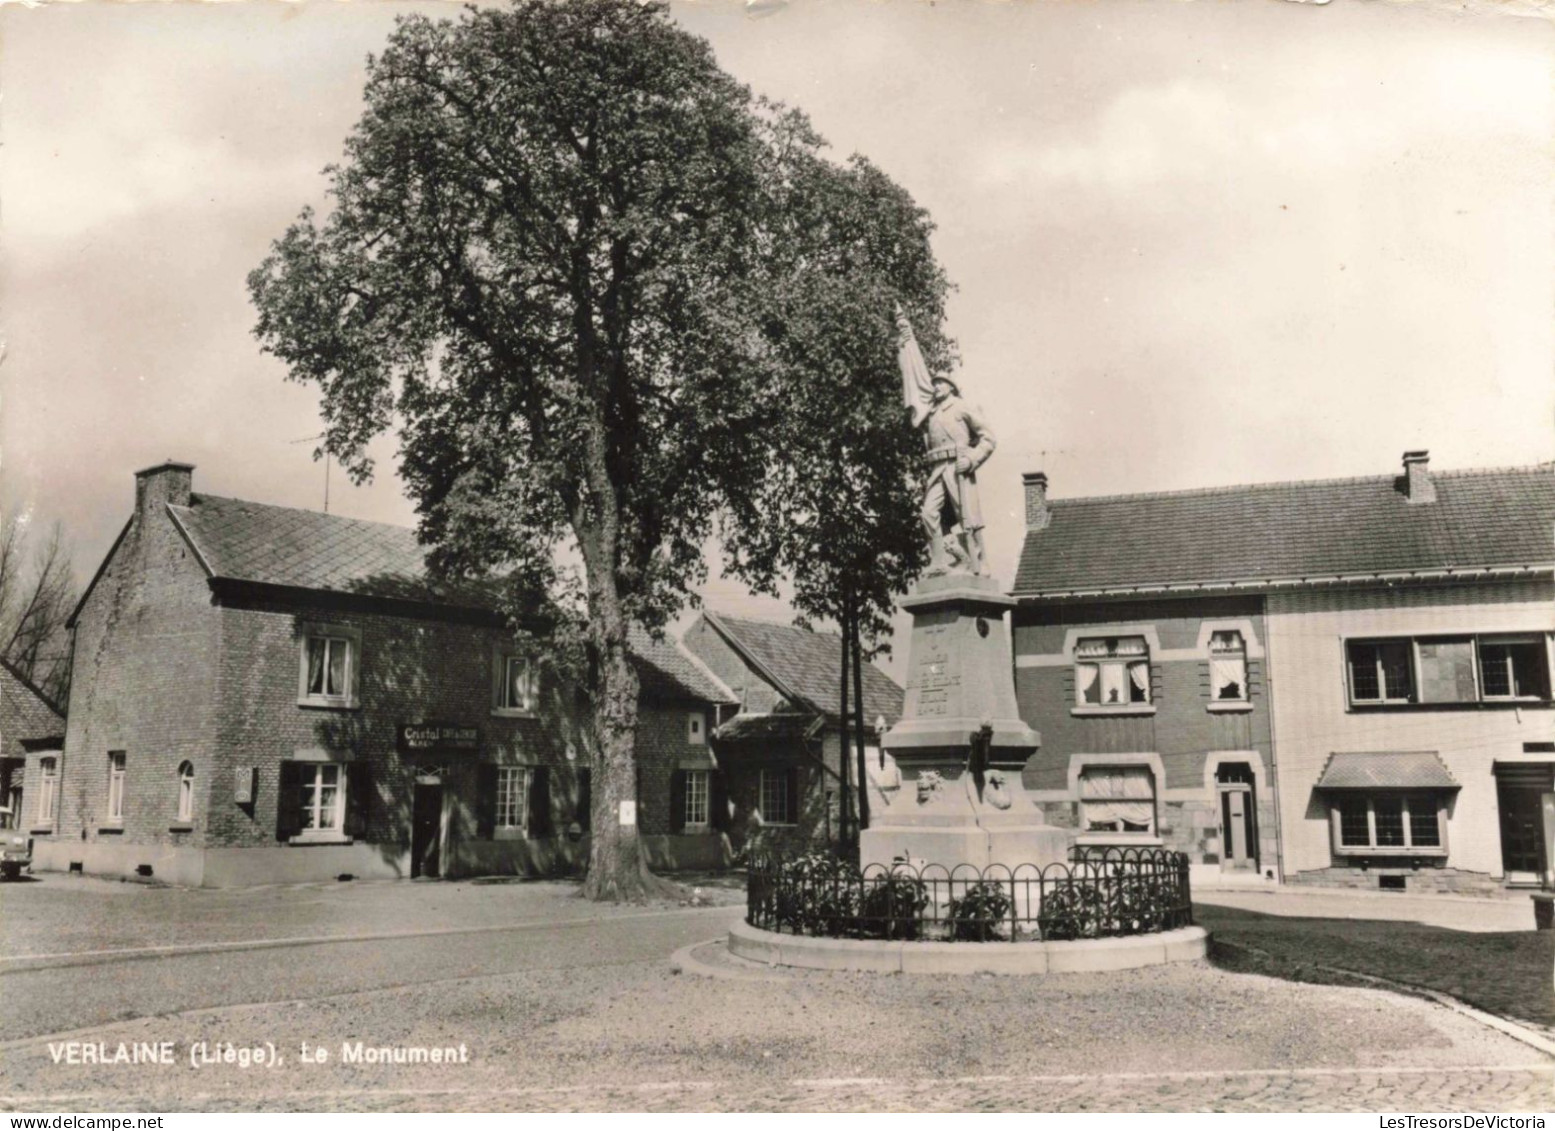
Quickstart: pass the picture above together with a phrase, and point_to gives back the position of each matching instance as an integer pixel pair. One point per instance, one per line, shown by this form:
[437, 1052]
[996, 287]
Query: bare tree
[37, 594]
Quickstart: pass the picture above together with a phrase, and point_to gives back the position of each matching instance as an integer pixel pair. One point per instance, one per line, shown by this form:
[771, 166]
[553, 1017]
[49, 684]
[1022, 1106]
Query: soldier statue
[959, 442]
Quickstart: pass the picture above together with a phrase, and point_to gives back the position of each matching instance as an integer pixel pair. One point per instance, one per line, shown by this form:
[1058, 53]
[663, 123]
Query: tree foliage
[550, 264]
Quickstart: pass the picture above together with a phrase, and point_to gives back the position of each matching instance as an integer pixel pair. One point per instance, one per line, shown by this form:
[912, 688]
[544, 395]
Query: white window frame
[1095, 836]
[333, 636]
[1223, 653]
[1437, 807]
[779, 778]
[1101, 662]
[512, 800]
[504, 703]
[312, 814]
[118, 765]
[186, 791]
[1412, 644]
[698, 799]
[1533, 639]
[48, 789]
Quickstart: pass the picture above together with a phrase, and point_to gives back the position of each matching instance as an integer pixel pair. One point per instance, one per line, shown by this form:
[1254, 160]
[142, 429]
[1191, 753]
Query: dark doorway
[1238, 818]
[426, 830]
[1522, 820]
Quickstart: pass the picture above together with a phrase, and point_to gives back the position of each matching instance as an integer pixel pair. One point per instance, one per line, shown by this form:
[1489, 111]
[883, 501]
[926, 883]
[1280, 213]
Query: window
[186, 791]
[1117, 799]
[1112, 672]
[777, 797]
[1387, 822]
[328, 669]
[116, 786]
[1514, 667]
[512, 796]
[697, 797]
[518, 692]
[1380, 671]
[696, 728]
[1227, 666]
[322, 798]
[48, 782]
[1449, 669]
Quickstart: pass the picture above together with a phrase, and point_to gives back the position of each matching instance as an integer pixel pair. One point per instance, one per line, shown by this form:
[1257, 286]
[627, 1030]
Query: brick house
[1333, 682]
[781, 751]
[32, 729]
[263, 694]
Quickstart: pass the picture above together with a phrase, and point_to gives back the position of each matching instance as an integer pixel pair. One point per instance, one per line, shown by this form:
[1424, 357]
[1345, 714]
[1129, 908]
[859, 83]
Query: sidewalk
[1454, 912]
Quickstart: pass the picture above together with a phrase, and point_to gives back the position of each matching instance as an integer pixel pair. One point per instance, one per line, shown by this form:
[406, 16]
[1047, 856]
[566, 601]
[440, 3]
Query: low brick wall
[1422, 881]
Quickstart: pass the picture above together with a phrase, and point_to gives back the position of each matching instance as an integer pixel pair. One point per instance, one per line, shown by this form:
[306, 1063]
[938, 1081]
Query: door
[1236, 830]
[1522, 830]
[426, 830]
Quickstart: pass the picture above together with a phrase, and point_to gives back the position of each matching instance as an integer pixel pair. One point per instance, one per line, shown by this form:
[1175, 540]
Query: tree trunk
[857, 645]
[845, 808]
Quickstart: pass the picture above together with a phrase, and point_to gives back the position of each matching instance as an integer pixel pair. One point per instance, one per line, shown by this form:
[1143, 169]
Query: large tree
[544, 265]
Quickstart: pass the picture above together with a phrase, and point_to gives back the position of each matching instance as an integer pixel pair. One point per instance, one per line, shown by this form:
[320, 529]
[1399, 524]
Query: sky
[1194, 244]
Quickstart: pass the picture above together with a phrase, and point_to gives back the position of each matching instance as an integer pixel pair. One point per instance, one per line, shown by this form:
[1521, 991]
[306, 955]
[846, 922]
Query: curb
[685, 959]
[1518, 1032]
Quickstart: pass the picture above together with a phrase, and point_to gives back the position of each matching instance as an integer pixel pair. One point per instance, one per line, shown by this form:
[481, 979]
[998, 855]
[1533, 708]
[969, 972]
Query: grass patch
[1507, 973]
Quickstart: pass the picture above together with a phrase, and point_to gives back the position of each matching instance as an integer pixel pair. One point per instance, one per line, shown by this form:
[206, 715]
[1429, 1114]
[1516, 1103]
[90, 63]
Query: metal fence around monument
[1100, 893]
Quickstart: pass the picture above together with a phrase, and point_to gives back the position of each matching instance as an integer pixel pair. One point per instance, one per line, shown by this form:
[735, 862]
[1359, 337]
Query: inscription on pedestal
[932, 677]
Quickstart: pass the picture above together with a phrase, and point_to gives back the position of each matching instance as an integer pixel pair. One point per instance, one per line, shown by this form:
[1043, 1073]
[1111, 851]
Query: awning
[1394, 769]
[763, 728]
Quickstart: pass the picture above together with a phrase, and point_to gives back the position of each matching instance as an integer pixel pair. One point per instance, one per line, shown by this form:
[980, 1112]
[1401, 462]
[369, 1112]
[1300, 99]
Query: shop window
[518, 691]
[48, 786]
[330, 658]
[185, 791]
[1112, 671]
[1117, 799]
[1228, 667]
[1398, 823]
[116, 768]
[779, 796]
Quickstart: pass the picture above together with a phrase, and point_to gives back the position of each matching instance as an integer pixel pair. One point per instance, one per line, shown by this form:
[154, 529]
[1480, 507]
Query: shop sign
[437, 738]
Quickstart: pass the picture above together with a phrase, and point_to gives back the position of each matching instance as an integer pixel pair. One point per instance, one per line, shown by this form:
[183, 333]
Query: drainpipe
[1274, 745]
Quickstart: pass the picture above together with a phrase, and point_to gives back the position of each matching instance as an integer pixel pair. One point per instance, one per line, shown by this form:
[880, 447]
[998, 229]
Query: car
[15, 854]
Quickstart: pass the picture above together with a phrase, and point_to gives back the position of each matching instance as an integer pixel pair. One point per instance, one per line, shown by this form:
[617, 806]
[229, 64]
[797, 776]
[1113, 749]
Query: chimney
[1037, 513]
[1418, 487]
[167, 482]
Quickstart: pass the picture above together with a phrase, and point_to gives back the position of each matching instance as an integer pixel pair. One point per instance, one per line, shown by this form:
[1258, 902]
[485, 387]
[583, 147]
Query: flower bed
[1099, 893]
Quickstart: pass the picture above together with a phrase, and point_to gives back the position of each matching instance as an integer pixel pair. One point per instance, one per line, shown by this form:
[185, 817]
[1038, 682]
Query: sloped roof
[1392, 769]
[1284, 532]
[25, 712]
[308, 550]
[667, 671]
[302, 549]
[759, 727]
[807, 665]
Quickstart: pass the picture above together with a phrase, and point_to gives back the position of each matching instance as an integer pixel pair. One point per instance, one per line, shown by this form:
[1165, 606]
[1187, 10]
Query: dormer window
[1112, 671]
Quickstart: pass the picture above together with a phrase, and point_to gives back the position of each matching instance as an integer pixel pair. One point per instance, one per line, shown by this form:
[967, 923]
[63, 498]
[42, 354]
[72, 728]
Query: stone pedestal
[948, 809]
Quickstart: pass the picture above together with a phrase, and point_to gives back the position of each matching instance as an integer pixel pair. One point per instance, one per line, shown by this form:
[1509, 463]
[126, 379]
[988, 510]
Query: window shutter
[791, 787]
[585, 814]
[717, 800]
[359, 798]
[540, 802]
[486, 801]
[288, 802]
[677, 801]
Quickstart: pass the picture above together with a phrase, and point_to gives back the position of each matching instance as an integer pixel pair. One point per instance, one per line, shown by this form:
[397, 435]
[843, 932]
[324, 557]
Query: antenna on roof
[328, 459]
